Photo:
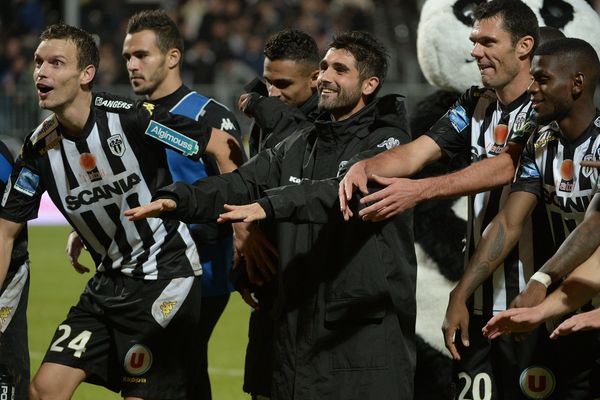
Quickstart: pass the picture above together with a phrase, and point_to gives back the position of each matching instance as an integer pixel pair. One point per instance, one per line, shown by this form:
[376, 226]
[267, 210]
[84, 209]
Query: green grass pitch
[55, 286]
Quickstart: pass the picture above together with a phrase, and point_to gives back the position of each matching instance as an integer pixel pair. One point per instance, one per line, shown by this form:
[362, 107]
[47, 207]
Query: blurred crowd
[223, 38]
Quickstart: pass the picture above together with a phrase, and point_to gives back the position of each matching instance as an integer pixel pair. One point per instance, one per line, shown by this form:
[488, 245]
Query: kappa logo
[116, 145]
[537, 382]
[227, 125]
[166, 307]
[149, 107]
[389, 143]
[5, 313]
[138, 360]
[295, 180]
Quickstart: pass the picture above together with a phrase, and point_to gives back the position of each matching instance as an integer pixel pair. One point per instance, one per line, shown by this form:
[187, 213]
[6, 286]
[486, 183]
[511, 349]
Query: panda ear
[524, 46]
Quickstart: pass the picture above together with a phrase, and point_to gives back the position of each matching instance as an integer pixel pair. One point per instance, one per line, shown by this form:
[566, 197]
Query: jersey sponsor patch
[185, 145]
[458, 118]
[528, 170]
[389, 143]
[27, 182]
[537, 382]
[138, 360]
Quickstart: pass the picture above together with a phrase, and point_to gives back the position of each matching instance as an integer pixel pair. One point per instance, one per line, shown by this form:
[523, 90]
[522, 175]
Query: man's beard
[345, 100]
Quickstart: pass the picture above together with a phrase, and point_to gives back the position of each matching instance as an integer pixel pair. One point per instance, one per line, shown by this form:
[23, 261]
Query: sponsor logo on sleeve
[27, 182]
[185, 145]
[458, 118]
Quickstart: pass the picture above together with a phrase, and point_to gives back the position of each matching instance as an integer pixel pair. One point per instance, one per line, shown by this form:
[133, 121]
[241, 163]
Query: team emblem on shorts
[537, 382]
[116, 145]
[138, 360]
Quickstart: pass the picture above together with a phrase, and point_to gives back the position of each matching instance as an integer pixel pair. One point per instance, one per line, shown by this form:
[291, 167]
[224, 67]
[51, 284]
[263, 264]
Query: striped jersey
[116, 163]
[479, 126]
[550, 169]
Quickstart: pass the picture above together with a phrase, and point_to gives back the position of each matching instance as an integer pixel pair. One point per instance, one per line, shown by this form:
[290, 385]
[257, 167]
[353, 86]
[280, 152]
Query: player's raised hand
[150, 210]
[578, 322]
[246, 213]
[399, 195]
[355, 178]
[74, 247]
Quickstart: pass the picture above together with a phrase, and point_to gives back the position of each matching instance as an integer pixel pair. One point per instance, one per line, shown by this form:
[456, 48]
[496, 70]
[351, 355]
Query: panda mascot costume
[443, 50]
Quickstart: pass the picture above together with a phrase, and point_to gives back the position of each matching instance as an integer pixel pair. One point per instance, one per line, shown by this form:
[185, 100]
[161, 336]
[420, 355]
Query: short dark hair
[548, 33]
[157, 21]
[517, 18]
[87, 50]
[295, 45]
[574, 53]
[370, 54]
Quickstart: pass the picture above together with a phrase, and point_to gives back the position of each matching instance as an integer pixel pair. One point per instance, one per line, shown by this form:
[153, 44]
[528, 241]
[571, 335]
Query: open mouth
[44, 88]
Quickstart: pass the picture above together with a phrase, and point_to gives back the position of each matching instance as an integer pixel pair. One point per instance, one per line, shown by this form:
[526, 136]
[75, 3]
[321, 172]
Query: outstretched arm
[497, 241]
[404, 160]
[402, 194]
[575, 250]
[579, 287]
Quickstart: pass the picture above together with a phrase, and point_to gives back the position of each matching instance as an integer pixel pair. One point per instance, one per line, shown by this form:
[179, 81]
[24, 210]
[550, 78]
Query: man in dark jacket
[346, 298]
[287, 97]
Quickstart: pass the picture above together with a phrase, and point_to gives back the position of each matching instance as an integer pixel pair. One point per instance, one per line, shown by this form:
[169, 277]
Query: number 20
[77, 343]
[475, 386]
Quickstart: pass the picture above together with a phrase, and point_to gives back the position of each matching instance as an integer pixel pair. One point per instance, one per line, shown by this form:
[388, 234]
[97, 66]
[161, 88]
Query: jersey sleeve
[24, 188]
[452, 131]
[528, 178]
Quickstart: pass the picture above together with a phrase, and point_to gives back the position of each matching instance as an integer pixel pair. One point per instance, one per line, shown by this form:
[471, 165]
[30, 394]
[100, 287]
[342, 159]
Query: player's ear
[173, 58]
[87, 75]
[369, 85]
[578, 83]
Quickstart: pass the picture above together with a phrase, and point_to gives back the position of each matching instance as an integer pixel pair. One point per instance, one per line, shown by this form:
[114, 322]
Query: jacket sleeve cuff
[266, 205]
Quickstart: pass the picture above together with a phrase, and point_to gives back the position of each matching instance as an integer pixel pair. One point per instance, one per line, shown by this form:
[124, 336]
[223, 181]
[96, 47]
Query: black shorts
[133, 336]
[535, 368]
[14, 349]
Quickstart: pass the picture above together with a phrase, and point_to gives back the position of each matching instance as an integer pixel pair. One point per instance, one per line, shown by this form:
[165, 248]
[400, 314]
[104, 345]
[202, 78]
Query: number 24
[77, 343]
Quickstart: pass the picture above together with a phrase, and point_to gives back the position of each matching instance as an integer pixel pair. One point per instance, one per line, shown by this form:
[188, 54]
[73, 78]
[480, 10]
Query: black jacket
[339, 281]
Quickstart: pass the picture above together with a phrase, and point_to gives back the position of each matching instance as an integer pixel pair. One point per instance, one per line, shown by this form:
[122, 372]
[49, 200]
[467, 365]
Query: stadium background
[224, 40]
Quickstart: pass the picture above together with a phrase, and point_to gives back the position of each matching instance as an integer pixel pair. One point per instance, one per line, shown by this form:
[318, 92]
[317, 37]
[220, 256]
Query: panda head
[443, 46]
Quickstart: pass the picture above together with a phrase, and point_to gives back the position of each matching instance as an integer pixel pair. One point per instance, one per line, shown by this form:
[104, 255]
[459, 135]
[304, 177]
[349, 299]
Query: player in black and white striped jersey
[489, 125]
[97, 155]
[565, 73]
